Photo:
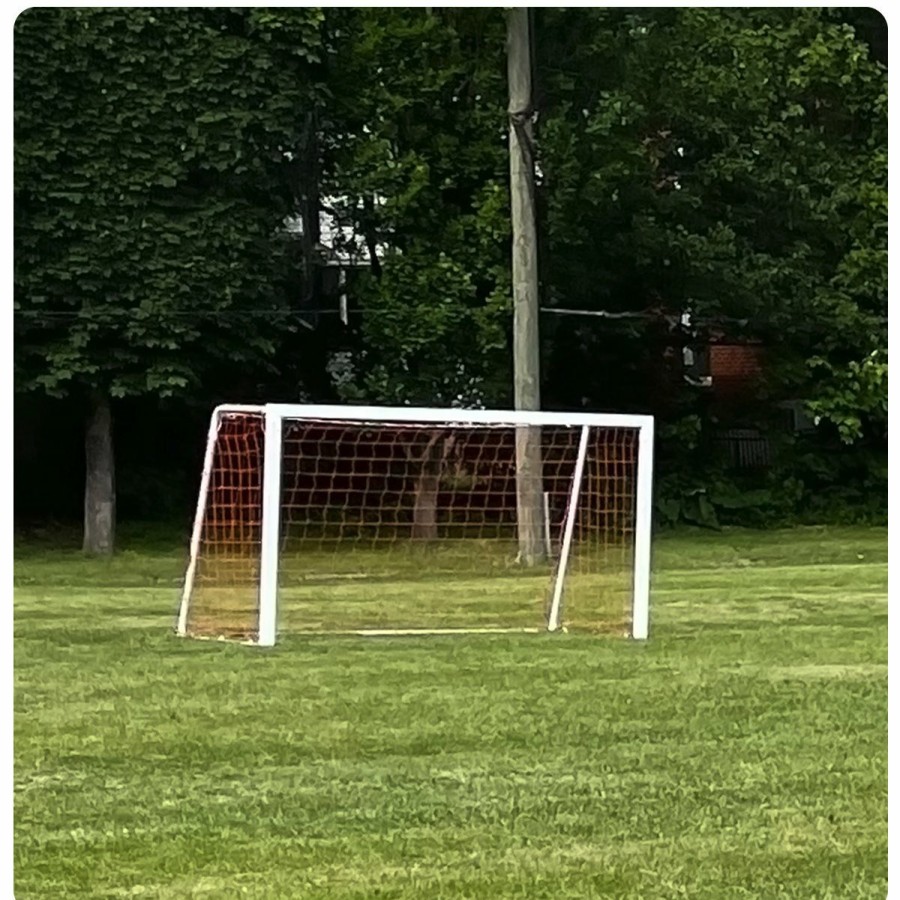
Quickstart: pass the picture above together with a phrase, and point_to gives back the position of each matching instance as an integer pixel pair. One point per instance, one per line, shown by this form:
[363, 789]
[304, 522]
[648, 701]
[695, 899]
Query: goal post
[271, 522]
[559, 580]
[203, 533]
[381, 520]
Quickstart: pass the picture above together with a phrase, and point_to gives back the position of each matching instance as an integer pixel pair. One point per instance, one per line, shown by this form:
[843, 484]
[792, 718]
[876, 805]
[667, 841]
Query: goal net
[386, 521]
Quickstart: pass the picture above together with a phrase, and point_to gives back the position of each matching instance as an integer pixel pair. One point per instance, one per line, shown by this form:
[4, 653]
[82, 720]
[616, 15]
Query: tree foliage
[730, 163]
[418, 168]
[727, 162]
[151, 187]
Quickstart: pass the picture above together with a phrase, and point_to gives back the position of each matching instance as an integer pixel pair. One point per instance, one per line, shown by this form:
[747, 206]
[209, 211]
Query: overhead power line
[168, 313]
[282, 312]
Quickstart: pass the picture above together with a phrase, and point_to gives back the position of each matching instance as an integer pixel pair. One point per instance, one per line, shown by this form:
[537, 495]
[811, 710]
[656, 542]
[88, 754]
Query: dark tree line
[306, 204]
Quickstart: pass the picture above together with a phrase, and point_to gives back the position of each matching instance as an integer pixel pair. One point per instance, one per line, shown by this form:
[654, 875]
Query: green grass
[742, 752]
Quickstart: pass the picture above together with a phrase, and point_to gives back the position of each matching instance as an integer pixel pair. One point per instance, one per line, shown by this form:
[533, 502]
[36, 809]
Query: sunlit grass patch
[740, 752]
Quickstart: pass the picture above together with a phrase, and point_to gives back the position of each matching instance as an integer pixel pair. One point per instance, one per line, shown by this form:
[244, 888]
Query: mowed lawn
[741, 752]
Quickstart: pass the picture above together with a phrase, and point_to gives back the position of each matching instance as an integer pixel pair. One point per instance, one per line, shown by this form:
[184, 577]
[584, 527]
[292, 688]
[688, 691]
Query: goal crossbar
[412, 414]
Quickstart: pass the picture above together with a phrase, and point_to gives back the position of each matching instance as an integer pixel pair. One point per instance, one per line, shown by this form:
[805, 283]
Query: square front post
[271, 522]
[640, 616]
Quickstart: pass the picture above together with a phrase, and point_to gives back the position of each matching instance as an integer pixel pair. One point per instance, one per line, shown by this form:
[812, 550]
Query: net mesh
[224, 593]
[414, 526]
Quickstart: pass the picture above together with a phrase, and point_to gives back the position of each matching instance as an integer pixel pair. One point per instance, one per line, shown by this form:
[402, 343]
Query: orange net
[224, 596]
[414, 526]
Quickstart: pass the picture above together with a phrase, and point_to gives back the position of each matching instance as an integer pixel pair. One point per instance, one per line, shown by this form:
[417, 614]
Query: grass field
[742, 752]
[457, 584]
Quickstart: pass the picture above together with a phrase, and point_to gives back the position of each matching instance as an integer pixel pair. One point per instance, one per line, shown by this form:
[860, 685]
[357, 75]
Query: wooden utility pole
[526, 342]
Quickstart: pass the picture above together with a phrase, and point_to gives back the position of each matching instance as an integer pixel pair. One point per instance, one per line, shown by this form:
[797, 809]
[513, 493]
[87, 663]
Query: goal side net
[387, 521]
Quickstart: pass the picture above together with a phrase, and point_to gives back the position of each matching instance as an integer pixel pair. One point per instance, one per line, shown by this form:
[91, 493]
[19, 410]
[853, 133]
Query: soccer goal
[374, 520]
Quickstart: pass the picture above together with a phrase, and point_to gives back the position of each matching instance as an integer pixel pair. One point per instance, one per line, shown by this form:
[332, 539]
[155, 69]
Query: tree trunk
[425, 510]
[99, 485]
[428, 482]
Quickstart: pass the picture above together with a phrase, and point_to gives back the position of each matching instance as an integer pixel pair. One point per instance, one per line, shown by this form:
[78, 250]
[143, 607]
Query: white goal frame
[275, 414]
